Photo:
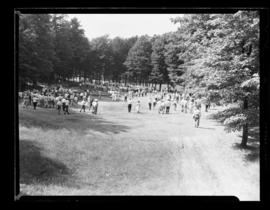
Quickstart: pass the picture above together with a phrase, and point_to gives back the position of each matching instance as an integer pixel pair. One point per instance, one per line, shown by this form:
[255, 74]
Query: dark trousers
[150, 105]
[59, 109]
[207, 107]
[197, 121]
[35, 105]
[83, 108]
[129, 107]
[167, 109]
[66, 110]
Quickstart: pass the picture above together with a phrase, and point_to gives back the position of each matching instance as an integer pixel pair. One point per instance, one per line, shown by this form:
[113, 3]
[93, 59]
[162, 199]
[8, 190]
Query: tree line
[214, 55]
[52, 48]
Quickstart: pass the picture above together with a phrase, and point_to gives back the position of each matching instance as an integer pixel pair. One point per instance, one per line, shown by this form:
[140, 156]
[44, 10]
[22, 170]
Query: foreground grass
[76, 151]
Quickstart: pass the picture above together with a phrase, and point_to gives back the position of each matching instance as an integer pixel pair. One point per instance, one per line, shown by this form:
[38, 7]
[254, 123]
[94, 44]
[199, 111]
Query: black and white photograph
[138, 104]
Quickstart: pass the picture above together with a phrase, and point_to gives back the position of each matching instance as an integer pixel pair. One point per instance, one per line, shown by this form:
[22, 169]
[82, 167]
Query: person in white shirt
[196, 116]
[174, 103]
[25, 100]
[95, 106]
[81, 95]
[89, 102]
[138, 107]
[35, 99]
[158, 105]
[76, 99]
[66, 106]
[183, 104]
[59, 104]
[71, 99]
[83, 105]
[191, 105]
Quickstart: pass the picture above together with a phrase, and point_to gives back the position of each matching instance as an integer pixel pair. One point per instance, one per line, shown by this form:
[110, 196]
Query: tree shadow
[206, 128]
[81, 122]
[253, 145]
[36, 168]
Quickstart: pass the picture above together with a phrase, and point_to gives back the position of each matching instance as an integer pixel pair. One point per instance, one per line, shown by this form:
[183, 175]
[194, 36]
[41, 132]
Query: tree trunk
[160, 86]
[245, 126]
[245, 135]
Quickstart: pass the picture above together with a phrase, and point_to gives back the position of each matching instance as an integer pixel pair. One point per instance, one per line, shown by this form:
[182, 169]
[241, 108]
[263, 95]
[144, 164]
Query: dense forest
[213, 55]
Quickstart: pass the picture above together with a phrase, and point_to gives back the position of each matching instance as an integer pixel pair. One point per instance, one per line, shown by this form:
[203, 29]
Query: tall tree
[159, 73]
[101, 45]
[80, 48]
[138, 61]
[63, 47]
[36, 41]
[173, 50]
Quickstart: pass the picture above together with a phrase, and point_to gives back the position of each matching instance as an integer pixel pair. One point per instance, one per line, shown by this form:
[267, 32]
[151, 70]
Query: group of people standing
[165, 101]
[61, 98]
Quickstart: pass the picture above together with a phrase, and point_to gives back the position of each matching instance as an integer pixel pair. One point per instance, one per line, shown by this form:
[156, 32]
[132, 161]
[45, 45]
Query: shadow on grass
[253, 145]
[206, 128]
[81, 122]
[38, 169]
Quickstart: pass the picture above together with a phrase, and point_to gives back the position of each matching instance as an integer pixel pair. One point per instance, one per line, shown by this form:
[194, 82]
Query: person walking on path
[196, 116]
[167, 105]
[191, 105]
[59, 105]
[129, 104]
[150, 103]
[162, 107]
[154, 103]
[95, 106]
[174, 103]
[83, 103]
[66, 106]
[138, 106]
[207, 105]
[35, 100]
[25, 100]
[185, 106]
[89, 102]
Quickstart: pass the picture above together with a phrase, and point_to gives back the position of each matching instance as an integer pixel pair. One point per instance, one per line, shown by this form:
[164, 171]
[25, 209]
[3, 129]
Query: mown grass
[79, 152]
[80, 122]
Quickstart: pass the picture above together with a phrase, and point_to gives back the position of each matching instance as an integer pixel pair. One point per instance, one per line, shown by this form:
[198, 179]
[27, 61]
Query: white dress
[138, 107]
